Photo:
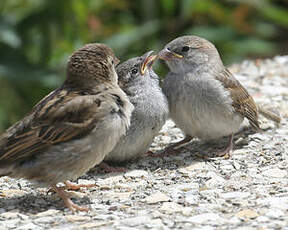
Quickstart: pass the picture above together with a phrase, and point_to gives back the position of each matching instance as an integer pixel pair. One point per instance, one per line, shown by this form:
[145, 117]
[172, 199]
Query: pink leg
[68, 202]
[226, 152]
[71, 186]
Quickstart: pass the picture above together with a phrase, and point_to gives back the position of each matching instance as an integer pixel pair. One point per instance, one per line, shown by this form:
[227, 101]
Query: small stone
[11, 224]
[192, 167]
[49, 212]
[187, 211]
[86, 182]
[134, 221]
[9, 215]
[166, 139]
[77, 218]
[29, 226]
[262, 219]
[234, 220]
[277, 173]
[215, 180]
[275, 213]
[247, 214]
[156, 224]
[112, 180]
[205, 218]
[9, 193]
[95, 224]
[23, 217]
[157, 197]
[122, 196]
[236, 165]
[170, 207]
[234, 195]
[192, 197]
[136, 174]
[274, 202]
[45, 220]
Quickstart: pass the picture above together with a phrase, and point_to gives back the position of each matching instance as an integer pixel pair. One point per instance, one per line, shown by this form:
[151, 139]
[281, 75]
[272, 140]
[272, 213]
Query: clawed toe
[68, 202]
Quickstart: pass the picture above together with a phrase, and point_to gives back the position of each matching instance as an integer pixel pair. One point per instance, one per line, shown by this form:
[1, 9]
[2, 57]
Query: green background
[37, 37]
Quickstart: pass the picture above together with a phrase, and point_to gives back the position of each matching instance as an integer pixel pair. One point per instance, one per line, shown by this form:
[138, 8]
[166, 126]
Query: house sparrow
[205, 99]
[73, 128]
[141, 84]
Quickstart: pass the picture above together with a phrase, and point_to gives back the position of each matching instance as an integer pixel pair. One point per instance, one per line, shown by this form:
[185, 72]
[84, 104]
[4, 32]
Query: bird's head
[186, 53]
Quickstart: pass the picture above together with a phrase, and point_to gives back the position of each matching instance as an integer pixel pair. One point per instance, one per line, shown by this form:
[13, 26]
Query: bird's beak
[148, 61]
[167, 55]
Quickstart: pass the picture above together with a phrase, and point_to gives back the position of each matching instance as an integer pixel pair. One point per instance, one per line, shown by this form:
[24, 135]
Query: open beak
[148, 61]
[167, 55]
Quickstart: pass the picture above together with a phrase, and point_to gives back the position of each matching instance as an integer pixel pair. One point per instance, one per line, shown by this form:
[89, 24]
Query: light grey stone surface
[189, 190]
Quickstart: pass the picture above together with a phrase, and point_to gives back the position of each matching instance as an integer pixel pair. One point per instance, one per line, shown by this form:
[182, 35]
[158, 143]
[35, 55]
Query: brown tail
[271, 115]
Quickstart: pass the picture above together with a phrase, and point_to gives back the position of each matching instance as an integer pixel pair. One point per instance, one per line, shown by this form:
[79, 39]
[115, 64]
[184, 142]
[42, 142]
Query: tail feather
[271, 115]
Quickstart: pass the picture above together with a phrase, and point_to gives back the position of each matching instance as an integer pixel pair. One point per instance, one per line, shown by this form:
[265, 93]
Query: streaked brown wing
[243, 103]
[59, 117]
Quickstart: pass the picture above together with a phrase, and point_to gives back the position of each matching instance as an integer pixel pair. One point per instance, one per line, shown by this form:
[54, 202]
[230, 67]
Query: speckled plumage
[150, 113]
[74, 127]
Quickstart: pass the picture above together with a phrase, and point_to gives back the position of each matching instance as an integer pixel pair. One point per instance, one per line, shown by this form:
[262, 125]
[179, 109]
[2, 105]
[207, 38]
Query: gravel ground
[184, 191]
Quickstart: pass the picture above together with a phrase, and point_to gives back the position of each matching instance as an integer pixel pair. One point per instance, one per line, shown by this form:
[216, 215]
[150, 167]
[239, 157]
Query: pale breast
[201, 108]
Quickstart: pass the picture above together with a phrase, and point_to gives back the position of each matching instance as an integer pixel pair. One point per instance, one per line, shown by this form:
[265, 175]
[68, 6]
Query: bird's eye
[134, 71]
[185, 48]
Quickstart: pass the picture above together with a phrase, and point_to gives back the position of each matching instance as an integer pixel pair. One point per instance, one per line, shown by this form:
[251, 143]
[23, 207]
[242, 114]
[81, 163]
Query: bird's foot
[71, 186]
[173, 149]
[68, 202]
[106, 168]
[226, 153]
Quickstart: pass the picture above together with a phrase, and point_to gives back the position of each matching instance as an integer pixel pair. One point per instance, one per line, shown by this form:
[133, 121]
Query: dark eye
[185, 48]
[134, 71]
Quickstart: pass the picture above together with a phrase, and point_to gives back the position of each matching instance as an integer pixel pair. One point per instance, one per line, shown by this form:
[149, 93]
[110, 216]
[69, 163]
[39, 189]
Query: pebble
[94, 225]
[277, 173]
[9, 215]
[234, 195]
[156, 198]
[136, 173]
[77, 218]
[49, 212]
[29, 226]
[170, 207]
[45, 220]
[192, 197]
[247, 214]
[134, 221]
[206, 218]
[274, 213]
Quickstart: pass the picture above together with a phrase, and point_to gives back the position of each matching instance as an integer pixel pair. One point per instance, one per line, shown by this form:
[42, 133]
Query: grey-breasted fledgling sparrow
[141, 84]
[205, 99]
[73, 128]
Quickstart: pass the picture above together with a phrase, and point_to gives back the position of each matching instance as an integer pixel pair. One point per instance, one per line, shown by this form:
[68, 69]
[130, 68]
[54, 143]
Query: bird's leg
[71, 186]
[107, 168]
[226, 152]
[172, 149]
[68, 202]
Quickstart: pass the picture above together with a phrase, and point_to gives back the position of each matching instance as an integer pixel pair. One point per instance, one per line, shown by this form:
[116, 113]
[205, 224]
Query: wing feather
[243, 103]
[59, 117]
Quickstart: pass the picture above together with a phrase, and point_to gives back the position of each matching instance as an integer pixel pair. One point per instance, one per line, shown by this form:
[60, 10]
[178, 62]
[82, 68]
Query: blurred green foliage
[37, 36]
